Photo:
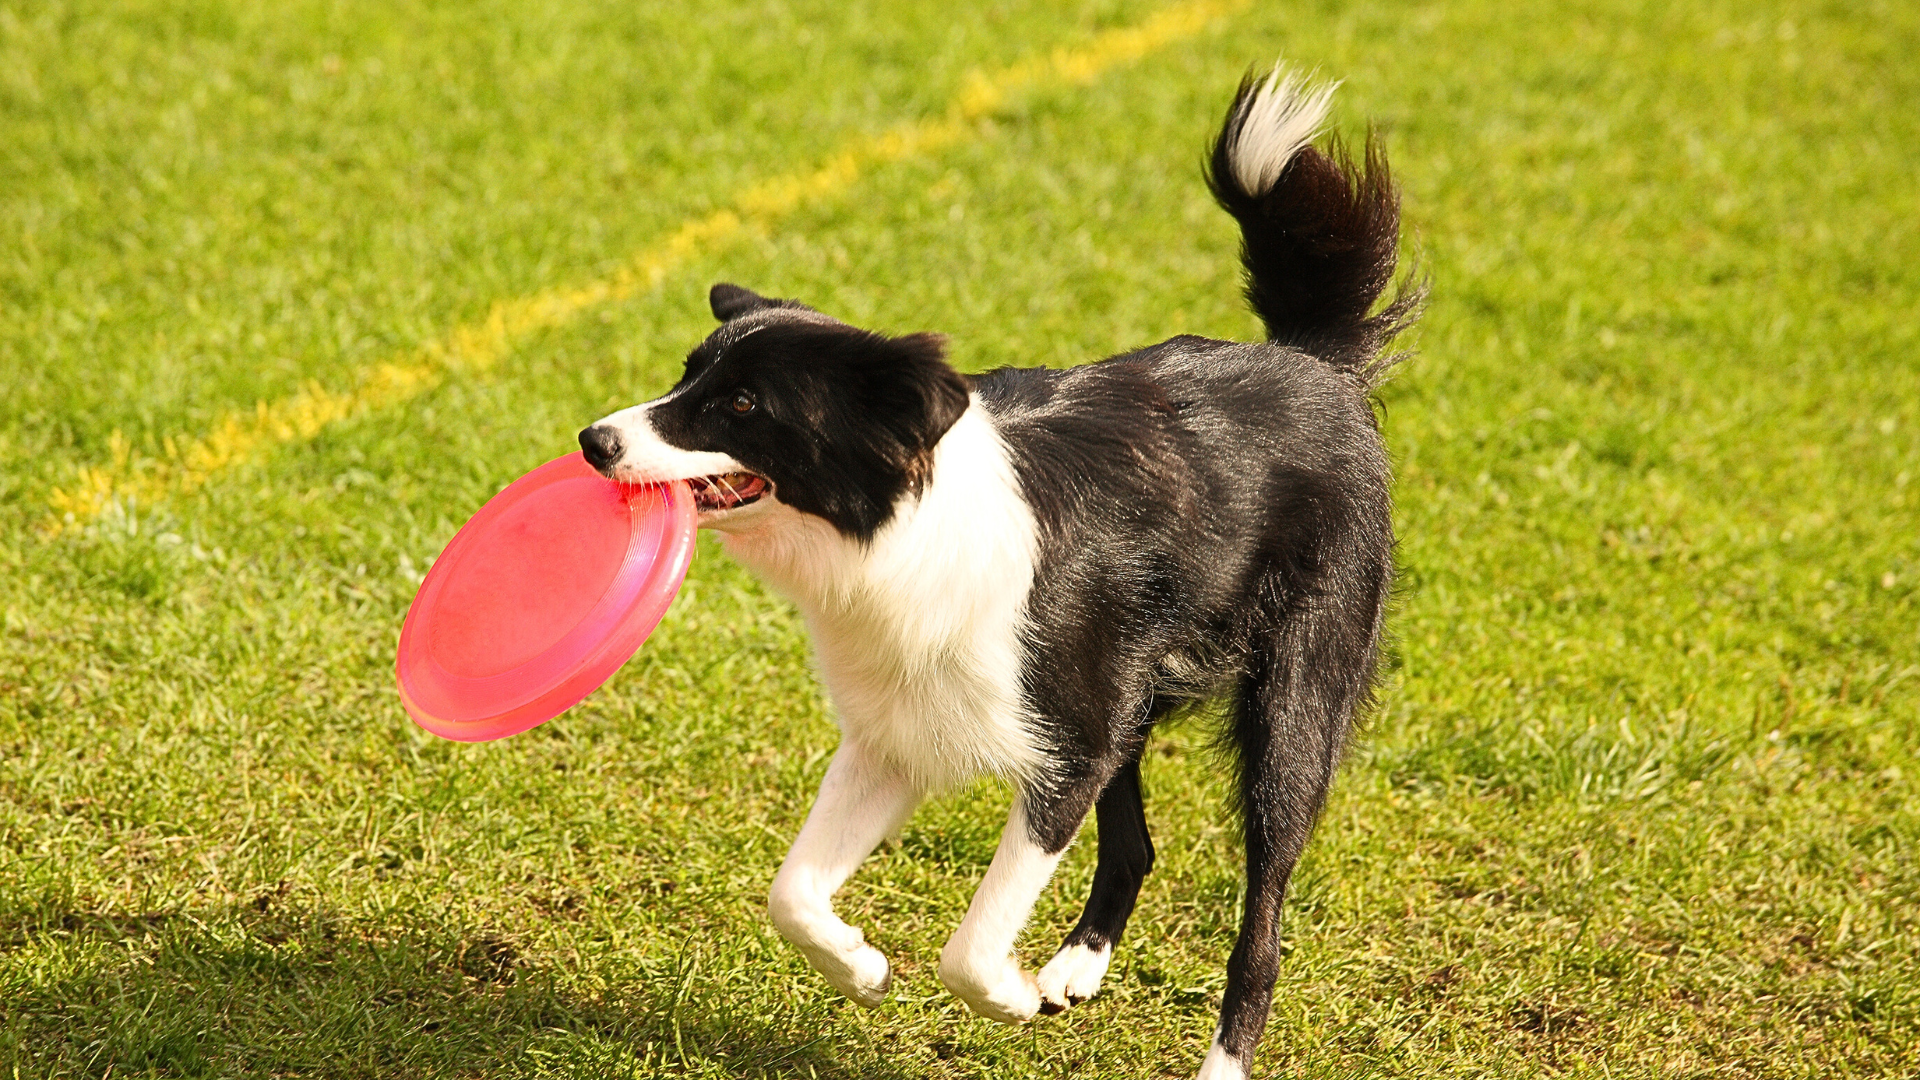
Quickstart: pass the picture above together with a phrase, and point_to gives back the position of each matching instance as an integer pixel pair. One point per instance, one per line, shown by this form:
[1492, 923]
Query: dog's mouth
[727, 491]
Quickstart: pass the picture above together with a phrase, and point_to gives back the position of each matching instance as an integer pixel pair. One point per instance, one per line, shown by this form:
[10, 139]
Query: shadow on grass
[246, 992]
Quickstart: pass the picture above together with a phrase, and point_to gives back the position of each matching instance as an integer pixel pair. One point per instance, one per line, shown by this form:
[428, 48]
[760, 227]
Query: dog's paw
[1221, 1065]
[861, 973]
[1072, 976]
[1011, 997]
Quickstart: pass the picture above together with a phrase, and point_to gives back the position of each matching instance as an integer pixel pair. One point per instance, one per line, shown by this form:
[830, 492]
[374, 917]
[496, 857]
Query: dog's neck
[925, 616]
[944, 537]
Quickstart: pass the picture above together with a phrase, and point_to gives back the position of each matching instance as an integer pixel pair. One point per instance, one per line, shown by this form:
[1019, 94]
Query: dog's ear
[729, 302]
[916, 392]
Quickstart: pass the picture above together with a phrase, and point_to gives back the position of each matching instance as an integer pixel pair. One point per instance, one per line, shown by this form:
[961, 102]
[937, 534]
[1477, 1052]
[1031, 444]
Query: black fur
[845, 420]
[1126, 858]
[1319, 247]
[1216, 524]
[730, 302]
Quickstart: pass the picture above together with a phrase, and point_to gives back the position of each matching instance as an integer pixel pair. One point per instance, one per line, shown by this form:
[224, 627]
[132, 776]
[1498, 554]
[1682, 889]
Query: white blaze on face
[646, 458]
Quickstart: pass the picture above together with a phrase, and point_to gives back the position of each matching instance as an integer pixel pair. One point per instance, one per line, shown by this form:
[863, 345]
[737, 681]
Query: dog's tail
[1320, 233]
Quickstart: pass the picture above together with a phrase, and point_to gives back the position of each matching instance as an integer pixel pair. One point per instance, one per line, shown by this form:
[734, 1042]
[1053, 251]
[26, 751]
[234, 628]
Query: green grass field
[1640, 799]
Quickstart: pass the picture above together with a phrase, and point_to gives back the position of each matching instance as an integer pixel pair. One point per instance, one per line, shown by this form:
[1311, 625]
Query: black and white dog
[1019, 573]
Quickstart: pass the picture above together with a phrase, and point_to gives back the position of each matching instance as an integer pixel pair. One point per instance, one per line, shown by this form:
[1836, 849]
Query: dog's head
[785, 405]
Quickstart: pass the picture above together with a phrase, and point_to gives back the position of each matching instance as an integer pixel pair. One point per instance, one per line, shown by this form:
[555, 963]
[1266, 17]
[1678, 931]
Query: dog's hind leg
[1297, 700]
[1289, 749]
[862, 801]
[1126, 857]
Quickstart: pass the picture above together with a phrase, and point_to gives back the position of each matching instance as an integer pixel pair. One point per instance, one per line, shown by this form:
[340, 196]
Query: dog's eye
[742, 402]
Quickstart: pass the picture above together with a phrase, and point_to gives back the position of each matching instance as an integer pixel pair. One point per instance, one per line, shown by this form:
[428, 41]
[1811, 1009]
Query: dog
[1019, 573]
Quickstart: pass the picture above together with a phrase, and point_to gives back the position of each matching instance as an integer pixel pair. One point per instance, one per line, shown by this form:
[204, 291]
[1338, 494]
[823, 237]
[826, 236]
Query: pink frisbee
[540, 598]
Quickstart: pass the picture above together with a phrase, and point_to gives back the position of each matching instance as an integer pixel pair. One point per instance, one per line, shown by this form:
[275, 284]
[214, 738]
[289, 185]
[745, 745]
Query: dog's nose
[601, 445]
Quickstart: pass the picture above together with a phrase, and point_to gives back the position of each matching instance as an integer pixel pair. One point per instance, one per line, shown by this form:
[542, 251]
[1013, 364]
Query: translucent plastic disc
[540, 598]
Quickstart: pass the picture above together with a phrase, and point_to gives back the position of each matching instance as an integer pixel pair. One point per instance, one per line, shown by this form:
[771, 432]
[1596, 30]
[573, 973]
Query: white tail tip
[1283, 114]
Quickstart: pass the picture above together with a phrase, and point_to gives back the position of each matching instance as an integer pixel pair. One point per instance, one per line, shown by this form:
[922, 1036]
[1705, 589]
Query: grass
[1640, 798]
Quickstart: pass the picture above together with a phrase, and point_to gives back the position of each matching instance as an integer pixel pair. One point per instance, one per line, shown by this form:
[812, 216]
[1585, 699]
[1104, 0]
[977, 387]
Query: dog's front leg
[978, 964]
[862, 801]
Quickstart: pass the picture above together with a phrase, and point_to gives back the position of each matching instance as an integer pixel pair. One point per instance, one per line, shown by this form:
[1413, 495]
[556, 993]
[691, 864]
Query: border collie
[1019, 573]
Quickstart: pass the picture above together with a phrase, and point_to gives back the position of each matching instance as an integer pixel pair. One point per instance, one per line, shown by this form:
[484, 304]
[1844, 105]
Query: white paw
[861, 973]
[1072, 976]
[1011, 997]
[1221, 1065]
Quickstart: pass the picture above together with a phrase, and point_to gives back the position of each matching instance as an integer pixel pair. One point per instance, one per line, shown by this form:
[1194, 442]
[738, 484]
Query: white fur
[646, 458]
[978, 963]
[861, 802]
[1074, 974]
[917, 637]
[1220, 1065]
[1283, 115]
[917, 631]
[917, 634]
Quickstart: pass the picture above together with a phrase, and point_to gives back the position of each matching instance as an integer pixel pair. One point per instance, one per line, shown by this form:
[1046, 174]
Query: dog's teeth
[724, 491]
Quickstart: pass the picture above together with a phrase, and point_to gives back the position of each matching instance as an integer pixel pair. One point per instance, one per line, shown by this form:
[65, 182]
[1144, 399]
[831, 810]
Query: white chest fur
[917, 633]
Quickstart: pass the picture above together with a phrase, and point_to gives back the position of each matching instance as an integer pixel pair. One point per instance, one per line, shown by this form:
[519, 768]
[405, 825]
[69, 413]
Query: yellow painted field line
[184, 466]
